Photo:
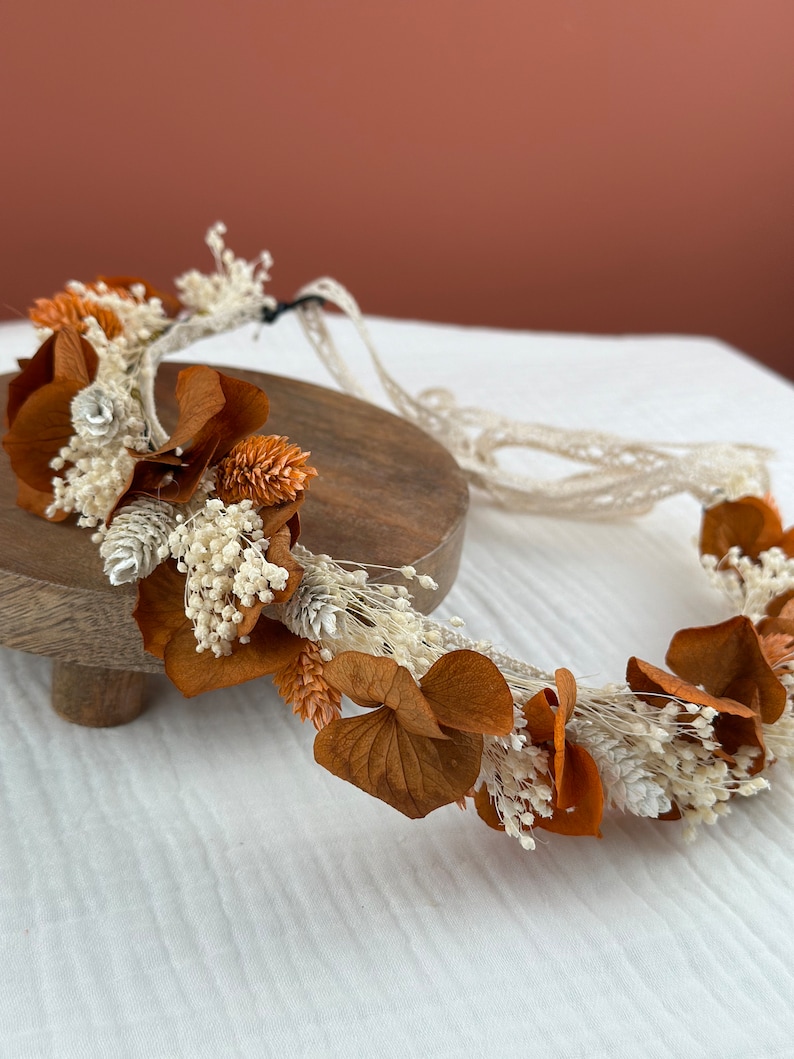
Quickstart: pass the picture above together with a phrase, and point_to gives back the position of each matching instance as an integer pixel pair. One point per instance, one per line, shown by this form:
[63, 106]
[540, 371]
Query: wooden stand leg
[97, 698]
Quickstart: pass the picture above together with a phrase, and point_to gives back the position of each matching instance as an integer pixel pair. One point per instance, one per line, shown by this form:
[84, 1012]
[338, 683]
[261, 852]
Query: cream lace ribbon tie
[624, 478]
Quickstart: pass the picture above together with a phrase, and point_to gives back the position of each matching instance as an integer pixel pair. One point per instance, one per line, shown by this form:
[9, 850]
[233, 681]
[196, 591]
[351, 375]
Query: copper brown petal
[41, 428]
[468, 692]
[200, 398]
[74, 358]
[160, 607]
[727, 659]
[486, 810]
[786, 542]
[271, 646]
[412, 773]
[751, 523]
[273, 518]
[656, 687]
[584, 785]
[370, 681]
[65, 355]
[540, 716]
[279, 553]
[245, 411]
[782, 606]
[37, 502]
[733, 732]
[566, 692]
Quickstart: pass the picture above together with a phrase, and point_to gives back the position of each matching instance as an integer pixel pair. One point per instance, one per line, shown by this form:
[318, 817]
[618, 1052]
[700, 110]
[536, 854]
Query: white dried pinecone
[137, 540]
[100, 412]
[312, 611]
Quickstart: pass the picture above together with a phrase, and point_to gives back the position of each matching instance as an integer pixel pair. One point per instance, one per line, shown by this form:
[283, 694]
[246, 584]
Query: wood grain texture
[96, 698]
[386, 494]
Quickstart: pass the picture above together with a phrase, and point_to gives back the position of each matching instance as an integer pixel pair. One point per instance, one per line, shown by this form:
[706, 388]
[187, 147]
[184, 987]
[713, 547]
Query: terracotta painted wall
[586, 165]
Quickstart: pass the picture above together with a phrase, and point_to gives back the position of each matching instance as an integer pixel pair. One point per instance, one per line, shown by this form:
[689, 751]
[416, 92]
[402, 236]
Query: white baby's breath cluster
[343, 610]
[95, 472]
[749, 585]
[516, 775]
[221, 551]
[237, 285]
[664, 759]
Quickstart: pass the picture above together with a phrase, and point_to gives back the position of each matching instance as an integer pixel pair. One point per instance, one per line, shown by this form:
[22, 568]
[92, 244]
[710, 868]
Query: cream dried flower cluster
[206, 523]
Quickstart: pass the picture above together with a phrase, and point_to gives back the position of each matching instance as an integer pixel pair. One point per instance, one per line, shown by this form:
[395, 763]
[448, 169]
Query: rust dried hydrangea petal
[215, 412]
[539, 715]
[585, 798]
[65, 355]
[40, 430]
[413, 774]
[656, 687]
[160, 607]
[566, 695]
[271, 647]
[728, 661]
[278, 552]
[372, 681]
[751, 524]
[467, 691]
[486, 810]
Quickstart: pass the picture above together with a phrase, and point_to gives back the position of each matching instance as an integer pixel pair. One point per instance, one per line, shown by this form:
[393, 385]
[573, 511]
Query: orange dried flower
[68, 309]
[301, 684]
[267, 470]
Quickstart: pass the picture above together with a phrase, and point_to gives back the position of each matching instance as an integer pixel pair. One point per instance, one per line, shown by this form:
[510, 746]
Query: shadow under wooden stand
[386, 495]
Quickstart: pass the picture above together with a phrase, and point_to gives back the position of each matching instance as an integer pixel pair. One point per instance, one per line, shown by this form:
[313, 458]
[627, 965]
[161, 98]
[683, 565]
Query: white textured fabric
[194, 885]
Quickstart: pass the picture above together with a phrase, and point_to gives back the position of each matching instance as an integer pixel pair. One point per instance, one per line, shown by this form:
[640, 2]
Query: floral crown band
[205, 520]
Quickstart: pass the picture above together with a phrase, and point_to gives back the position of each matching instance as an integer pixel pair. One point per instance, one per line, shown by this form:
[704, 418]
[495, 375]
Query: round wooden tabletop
[386, 494]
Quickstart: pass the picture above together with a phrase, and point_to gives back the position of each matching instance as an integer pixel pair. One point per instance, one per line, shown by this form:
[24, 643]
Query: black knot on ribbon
[270, 315]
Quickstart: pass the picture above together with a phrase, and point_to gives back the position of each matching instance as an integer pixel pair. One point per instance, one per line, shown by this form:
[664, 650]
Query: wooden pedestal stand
[386, 494]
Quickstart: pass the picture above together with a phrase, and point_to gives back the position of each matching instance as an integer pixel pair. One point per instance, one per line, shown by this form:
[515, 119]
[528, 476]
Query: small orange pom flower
[267, 470]
[68, 309]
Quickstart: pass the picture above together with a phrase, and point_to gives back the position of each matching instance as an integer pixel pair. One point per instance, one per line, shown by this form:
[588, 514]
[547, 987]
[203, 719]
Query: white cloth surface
[194, 885]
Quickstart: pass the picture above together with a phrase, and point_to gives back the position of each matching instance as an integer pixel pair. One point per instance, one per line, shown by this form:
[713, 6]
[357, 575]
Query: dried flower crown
[206, 522]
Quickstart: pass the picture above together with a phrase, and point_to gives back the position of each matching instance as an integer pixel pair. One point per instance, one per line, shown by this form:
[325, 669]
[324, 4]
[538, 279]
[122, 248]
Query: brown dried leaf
[215, 411]
[466, 691]
[656, 687]
[273, 518]
[751, 523]
[41, 427]
[74, 359]
[540, 716]
[728, 661]
[412, 773]
[584, 795]
[486, 810]
[160, 607]
[200, 397]
[37, 502]
[371, 681]
[278, 552]
[272, 646]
